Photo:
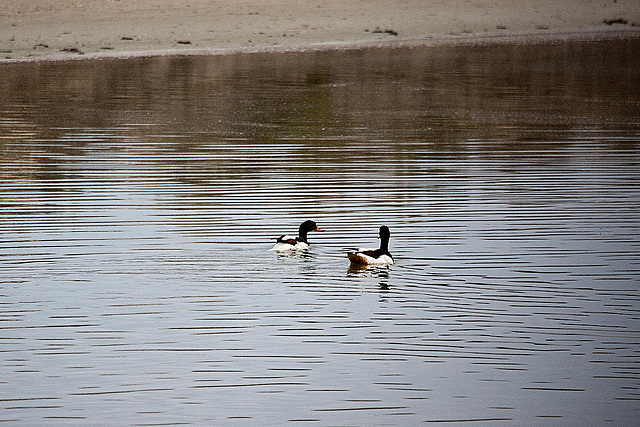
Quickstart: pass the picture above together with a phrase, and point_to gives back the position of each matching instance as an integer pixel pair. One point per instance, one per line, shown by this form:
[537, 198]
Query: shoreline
[435, 41]
[53, 30]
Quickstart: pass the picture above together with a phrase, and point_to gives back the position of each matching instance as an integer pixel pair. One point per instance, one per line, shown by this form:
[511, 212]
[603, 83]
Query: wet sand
[61, 29]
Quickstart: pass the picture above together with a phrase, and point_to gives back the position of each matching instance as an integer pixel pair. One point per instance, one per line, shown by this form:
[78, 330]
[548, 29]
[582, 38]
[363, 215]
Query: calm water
[139, 199]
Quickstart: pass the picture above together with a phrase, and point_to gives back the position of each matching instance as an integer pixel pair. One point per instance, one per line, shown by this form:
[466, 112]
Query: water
[139, 199]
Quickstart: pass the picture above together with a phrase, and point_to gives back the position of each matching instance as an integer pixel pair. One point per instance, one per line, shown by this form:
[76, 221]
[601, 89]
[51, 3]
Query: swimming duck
[287, 243]
[374, 256]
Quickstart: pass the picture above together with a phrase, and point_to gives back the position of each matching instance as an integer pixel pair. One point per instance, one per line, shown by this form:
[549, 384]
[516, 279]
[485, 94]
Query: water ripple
[139, 202]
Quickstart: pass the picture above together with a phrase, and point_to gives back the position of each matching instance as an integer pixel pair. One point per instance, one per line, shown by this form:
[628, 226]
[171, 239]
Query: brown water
[139, 199]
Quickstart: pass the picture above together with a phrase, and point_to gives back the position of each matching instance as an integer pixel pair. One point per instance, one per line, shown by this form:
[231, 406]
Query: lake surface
[140, 198]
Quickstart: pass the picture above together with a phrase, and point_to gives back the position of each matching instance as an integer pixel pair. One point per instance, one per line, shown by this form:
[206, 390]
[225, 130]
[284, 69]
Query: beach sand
[62, 29]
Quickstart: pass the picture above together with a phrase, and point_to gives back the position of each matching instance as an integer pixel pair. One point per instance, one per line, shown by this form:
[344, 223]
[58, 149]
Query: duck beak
[318, 229]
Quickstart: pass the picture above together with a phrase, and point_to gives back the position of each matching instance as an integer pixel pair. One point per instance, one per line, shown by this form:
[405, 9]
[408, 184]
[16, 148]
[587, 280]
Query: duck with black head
[380, 256]
[288, 243]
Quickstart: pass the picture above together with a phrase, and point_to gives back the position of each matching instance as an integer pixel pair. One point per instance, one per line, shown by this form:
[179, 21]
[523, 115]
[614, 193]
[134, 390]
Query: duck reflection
[368, 271]
[374, 271]
[304, 255]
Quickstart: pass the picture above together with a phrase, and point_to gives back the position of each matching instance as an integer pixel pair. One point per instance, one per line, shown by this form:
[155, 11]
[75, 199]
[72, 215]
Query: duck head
[306, 227]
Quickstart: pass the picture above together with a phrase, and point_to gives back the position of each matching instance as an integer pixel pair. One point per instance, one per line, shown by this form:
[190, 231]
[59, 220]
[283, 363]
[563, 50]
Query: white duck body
[287, 243]
[379, 256]
[367, 257]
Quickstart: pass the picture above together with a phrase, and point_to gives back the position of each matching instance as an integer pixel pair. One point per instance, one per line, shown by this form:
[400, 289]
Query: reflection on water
[139, 199]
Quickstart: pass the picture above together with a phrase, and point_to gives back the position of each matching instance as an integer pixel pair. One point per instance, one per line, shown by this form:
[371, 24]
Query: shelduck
[374, 256]
[286, 243]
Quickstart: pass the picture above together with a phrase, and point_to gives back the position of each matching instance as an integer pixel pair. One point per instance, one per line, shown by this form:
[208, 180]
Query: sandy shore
[60, 29]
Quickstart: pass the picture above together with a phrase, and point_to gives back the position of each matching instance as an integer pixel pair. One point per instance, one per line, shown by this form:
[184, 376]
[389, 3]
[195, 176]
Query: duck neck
[384, 244]
[302, 235]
